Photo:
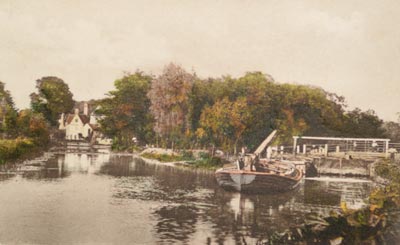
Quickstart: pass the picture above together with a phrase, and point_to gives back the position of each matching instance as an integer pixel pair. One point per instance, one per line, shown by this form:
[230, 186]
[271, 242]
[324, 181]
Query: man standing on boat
[254, 161]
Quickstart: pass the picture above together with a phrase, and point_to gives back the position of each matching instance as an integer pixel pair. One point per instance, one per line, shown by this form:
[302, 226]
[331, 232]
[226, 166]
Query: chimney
[76, 111]
[86, 109]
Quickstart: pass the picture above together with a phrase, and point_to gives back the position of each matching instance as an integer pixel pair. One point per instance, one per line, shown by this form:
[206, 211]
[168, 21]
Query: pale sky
[350, 47]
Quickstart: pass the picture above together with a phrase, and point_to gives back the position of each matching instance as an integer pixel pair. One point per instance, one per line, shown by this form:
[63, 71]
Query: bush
[13, 149]
[388, 171]
[204, 155]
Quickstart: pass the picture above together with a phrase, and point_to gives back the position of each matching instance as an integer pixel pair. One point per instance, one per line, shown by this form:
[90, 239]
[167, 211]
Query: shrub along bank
[373, 224]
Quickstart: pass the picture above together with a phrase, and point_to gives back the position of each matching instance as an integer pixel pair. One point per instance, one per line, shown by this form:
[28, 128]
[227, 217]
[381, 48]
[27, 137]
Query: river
[101, 198]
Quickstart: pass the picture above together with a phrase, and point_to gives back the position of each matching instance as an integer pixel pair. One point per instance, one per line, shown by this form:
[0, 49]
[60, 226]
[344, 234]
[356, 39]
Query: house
[78, 126]
[83, 126]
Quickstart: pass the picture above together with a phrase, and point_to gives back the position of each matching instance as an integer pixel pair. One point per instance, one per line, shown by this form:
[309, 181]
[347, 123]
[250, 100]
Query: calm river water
[83, 198]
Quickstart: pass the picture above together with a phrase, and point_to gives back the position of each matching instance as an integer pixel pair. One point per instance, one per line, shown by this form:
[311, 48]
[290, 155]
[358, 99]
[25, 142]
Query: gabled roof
[84, 119]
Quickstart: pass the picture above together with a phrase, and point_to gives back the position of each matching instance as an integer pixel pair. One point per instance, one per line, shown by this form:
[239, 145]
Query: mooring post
[294, 145]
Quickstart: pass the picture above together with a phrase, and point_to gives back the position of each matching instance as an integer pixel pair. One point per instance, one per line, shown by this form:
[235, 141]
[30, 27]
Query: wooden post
[326, 150]
[387, 149]
[337, 149]
[298, 149]
[294, 145]
[304, 149]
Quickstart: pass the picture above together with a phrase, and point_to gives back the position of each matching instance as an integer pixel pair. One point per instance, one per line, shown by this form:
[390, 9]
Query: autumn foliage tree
[227, 112]
[33, 125]
[170, 107]
[225, 122]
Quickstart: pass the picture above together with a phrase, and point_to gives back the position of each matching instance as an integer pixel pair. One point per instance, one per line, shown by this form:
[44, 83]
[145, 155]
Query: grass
[211, 163]
[203, 161]
[164, 157]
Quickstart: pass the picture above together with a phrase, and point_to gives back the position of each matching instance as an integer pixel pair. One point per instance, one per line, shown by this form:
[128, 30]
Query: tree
[364, 124]
[170, 107]
[256, 87]
[301, 109]
[126, 110]
[8, 113]
[392, 131]
[33, 125]
[225, 122]
[52, 99]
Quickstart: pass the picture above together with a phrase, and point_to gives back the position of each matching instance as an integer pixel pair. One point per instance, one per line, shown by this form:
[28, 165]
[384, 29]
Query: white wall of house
[86, 130]
[76, 129]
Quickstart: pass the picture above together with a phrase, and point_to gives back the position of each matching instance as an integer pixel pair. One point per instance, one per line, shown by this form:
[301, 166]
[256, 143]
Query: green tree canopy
[126, 110]
[358, 123]
[8, 113]
[52, 98]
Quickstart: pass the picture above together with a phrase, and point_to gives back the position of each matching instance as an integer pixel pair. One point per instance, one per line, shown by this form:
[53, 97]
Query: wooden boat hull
[256, 182]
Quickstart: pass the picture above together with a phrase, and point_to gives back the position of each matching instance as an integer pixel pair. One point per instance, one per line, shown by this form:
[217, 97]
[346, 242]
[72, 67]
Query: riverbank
[18, 150]
[375, 223]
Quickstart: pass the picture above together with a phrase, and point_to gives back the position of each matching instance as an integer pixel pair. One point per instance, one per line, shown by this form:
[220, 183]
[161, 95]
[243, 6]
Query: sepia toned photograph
[199, 122]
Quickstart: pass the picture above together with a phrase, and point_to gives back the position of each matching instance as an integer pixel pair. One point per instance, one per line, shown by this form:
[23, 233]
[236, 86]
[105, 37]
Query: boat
[275, 177]
[259, 175]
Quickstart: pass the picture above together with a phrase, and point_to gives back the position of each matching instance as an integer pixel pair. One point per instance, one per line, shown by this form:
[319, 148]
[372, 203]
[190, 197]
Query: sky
[349, 47]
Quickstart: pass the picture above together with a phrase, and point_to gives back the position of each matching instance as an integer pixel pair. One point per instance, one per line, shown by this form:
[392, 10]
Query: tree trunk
[235, 147]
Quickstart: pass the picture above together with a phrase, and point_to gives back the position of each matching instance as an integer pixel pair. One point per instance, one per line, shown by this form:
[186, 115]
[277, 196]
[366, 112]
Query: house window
[76, 120]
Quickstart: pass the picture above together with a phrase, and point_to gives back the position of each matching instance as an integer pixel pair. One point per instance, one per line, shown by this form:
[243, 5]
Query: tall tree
[169, 95]
[8, 113]
[52, 98]
[256, 88]
[301, 109]
[392, 131]
[126, 110]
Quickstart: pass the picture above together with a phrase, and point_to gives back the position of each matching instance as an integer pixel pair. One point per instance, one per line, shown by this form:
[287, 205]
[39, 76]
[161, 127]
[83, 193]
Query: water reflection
[124, 200]
[176, 223]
